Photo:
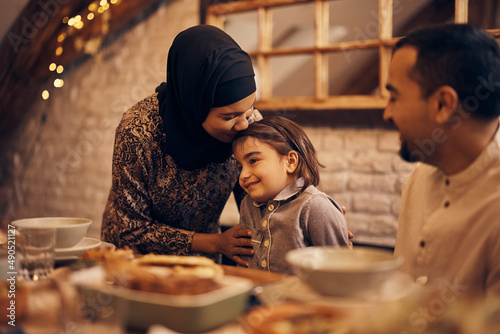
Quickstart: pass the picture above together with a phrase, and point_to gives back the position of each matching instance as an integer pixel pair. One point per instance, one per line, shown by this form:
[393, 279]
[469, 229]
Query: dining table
[44, 307]
[48, 307]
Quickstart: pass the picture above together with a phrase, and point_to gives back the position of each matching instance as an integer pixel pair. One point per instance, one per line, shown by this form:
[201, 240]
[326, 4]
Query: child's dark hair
[284, 135]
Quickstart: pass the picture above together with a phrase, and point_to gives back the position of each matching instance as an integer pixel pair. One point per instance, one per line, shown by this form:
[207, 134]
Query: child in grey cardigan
[283, 209]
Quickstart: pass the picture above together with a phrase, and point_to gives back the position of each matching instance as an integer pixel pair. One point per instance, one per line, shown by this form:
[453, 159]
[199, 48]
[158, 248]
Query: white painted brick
[384, 225]
[361, 140]
[384, 183]
[372, 161]
[360, 182]
[396, 203]
[333, 139]
[343, 199]
[372, 229]
[402, 166]
[358, 223]
[334, 161]
[333, 182]
[389, 141]
[316, 136]
[371, 203]
[401, 179]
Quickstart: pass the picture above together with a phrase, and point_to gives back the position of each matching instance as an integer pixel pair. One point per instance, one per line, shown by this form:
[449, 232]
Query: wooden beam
[321, 23]
[265, 44]
[461, 11]
[233, 6]
[385, 17]
[330, 103]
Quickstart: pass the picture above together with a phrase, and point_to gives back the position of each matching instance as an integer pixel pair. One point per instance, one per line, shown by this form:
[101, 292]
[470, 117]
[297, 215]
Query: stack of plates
[80, 248]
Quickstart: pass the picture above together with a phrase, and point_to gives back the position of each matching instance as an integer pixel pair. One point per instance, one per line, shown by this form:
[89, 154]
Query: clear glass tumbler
[35, 252]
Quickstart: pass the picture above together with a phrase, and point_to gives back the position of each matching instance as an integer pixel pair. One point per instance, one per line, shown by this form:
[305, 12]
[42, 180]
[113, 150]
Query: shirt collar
[291, 190]
[477, 167]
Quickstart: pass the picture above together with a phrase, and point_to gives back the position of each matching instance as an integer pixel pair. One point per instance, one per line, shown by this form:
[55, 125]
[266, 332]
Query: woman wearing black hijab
[172, 165]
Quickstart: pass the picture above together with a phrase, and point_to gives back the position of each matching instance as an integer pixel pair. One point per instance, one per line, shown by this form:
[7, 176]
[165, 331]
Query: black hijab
[201, 59]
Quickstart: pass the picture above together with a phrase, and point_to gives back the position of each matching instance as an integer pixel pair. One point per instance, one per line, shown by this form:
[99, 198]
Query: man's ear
[445, 103]
[292, 161]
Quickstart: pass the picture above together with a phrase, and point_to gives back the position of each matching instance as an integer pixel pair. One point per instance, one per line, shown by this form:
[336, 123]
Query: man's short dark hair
[462, 56]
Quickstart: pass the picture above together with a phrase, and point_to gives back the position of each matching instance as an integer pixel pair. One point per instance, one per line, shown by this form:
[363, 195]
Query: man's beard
[406, 154]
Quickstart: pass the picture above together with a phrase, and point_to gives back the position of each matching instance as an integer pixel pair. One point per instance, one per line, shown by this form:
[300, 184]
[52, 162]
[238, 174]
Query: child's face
[264, 172]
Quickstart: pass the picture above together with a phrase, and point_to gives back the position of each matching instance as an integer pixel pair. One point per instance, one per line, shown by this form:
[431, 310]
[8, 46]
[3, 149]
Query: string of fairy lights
[77, 22]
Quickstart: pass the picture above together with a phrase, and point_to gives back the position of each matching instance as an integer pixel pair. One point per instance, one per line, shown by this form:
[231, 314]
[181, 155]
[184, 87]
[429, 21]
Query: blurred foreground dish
[293, 318]
[169, 274]
[187, 294]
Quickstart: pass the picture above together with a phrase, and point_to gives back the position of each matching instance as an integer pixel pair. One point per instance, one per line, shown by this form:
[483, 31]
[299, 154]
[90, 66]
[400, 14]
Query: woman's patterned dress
[153, 205]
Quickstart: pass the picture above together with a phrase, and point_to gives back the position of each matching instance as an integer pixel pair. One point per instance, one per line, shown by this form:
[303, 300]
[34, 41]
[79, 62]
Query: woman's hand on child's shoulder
[235, 242]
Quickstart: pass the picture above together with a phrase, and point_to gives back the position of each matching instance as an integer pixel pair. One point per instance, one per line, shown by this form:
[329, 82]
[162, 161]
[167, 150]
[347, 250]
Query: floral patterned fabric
[154, 206]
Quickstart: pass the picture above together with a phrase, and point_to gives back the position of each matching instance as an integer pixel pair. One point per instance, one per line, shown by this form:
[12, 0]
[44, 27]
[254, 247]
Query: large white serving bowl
[69, 230]
[343, 272]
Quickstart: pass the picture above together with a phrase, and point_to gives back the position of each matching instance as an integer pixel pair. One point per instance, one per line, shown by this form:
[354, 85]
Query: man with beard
[444, 100]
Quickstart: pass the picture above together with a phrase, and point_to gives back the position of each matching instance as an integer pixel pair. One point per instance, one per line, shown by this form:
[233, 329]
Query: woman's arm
[127, 220]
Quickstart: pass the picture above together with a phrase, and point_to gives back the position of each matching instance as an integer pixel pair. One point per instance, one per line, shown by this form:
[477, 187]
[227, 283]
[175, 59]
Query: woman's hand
[235, 242]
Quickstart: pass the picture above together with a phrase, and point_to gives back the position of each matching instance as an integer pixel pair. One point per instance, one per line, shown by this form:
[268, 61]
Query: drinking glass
[90, 311]
[35, 252]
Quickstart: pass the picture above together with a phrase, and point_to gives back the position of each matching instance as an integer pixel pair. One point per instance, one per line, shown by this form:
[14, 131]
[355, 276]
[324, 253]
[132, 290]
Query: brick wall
[60, 161]
[59, 164]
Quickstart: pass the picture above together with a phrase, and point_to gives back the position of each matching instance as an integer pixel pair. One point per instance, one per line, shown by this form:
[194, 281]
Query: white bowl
[343, 272]
[69, 231]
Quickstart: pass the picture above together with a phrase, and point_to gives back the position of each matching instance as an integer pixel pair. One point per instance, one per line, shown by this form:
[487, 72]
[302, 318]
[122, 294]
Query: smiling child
[283, 208]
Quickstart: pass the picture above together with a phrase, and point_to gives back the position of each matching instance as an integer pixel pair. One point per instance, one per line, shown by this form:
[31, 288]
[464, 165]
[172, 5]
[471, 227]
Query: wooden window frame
[320, 50]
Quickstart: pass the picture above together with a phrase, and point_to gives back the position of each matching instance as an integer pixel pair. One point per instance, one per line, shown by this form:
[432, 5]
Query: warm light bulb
[45, 94]
[90, 16]
[60, 69]
[61, 37]
[103, 2]
[52, 67]
[59, 51]
[58, 83]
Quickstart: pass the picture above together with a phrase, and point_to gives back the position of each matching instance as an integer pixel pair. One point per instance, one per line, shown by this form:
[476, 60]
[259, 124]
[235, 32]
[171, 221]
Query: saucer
[77, 250]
